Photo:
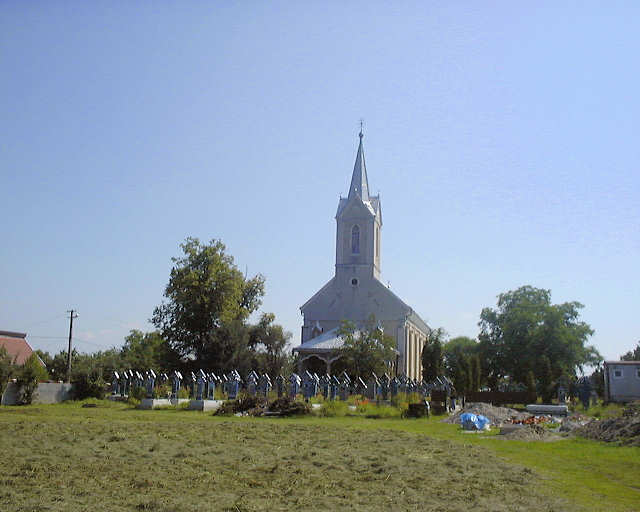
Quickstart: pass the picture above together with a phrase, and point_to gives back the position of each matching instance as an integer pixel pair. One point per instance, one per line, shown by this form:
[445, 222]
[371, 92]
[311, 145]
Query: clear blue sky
[502, 137]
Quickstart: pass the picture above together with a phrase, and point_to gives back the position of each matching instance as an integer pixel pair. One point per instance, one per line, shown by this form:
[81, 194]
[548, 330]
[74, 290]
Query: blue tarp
[471, 421]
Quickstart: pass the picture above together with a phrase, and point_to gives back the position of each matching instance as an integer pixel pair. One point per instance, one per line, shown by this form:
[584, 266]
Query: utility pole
[72, 315]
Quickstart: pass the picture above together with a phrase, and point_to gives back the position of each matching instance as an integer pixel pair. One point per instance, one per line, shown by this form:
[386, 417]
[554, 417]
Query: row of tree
[526, 340]
[203, 322]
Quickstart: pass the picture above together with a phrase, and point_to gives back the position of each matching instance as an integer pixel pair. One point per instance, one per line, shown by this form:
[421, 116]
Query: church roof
[325, 342]
[412, 316]
[359, 189]
[359, 183]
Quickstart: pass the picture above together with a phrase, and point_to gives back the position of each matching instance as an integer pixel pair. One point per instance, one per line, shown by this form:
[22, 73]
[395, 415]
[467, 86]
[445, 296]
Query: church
[356, 291]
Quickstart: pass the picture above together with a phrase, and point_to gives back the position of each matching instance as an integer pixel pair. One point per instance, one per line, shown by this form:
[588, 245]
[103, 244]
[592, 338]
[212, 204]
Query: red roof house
[16, 345]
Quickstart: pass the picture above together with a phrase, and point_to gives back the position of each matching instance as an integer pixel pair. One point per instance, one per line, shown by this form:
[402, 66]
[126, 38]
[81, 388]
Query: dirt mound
[254, 406]
[241, 405]
[624, 429]
[497, 415]
[531, 432]
[284, 406]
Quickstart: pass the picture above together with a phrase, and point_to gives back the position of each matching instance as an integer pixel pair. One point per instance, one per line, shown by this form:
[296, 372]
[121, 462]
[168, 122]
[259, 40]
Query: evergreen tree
[432, 355]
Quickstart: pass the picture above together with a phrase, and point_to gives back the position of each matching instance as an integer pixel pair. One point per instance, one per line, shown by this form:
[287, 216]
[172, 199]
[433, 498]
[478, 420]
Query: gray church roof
[359, 183]
[360, 186]
[325, 342]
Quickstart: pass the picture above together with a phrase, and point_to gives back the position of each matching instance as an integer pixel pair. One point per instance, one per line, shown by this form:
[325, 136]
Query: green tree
[632, 355]
[365, 351]
[456, 351]
[476, 373]
[7, 370]
[27, 378]
[208, 301]
[531, 382]
[57, 365]
[597, 380]
[144, 350]
[269, 340]
[432, 357]
[545, 378]
[524, 327]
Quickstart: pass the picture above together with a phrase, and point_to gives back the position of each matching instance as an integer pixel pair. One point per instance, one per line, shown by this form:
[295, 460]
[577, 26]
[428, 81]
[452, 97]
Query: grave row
[202, 385]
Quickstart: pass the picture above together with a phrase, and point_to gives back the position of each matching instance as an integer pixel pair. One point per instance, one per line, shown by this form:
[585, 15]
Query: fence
[502, 397]
[47, 393]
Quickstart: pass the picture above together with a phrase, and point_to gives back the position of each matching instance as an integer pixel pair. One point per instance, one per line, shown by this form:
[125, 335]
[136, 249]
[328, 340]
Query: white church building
[356, 292]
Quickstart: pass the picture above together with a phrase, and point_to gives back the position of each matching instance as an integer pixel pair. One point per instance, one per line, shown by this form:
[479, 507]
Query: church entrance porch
[319, 353]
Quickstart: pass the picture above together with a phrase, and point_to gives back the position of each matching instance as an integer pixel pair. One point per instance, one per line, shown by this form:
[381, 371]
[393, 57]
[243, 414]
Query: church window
[377, 242]
[355, 240]
[354, 282]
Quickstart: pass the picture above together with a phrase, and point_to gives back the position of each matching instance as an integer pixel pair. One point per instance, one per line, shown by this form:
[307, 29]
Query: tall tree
[456, 351]
[269, 340]
[144, 350]
[632, 356]
[476, 373]
[524, 327]
[432, 356]
[366, 350]
[208, 301]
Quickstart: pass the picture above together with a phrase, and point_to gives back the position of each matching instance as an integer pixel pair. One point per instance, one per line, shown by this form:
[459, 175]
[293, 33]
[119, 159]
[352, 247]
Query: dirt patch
[531, 432]
[624, 430]
[497, 415]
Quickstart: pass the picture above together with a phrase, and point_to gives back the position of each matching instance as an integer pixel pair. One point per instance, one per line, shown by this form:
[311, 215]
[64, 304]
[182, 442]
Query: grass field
[65, 457]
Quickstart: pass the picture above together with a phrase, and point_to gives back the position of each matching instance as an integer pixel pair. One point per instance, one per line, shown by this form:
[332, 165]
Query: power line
[39, 322]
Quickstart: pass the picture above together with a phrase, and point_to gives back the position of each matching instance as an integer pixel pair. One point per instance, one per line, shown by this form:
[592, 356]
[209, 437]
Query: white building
[356, 291]
[621, 381]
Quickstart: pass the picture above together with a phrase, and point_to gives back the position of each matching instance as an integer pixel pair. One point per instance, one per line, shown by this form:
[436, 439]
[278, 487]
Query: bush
[28, 377]
[243, 403]
[332, 408]
[88, 385]
[162, 391]
[288, 407]
[136, 394]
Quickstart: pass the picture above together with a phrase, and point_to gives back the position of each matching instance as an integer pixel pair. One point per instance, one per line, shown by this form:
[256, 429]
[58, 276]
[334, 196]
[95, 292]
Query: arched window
[355, 240]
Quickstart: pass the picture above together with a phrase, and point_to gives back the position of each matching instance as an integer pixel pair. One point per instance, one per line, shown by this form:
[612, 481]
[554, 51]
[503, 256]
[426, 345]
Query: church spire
[359, 182]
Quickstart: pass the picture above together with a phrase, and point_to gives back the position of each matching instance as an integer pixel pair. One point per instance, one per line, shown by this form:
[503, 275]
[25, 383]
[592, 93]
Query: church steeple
[359, 222]
[359, 183]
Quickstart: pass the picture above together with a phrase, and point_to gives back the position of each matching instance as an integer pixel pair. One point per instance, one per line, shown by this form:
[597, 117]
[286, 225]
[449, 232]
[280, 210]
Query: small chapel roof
[325, 342]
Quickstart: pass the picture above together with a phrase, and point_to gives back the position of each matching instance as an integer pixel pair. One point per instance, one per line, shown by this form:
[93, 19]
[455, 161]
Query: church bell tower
[358, 228]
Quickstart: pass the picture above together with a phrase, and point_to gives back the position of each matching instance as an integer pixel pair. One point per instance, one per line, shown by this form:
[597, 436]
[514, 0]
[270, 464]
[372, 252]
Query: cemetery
[165, 441]
[206, 391]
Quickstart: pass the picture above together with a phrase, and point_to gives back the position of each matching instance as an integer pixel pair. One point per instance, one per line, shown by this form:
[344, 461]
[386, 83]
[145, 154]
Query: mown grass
[111, 457]
[592, 475]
